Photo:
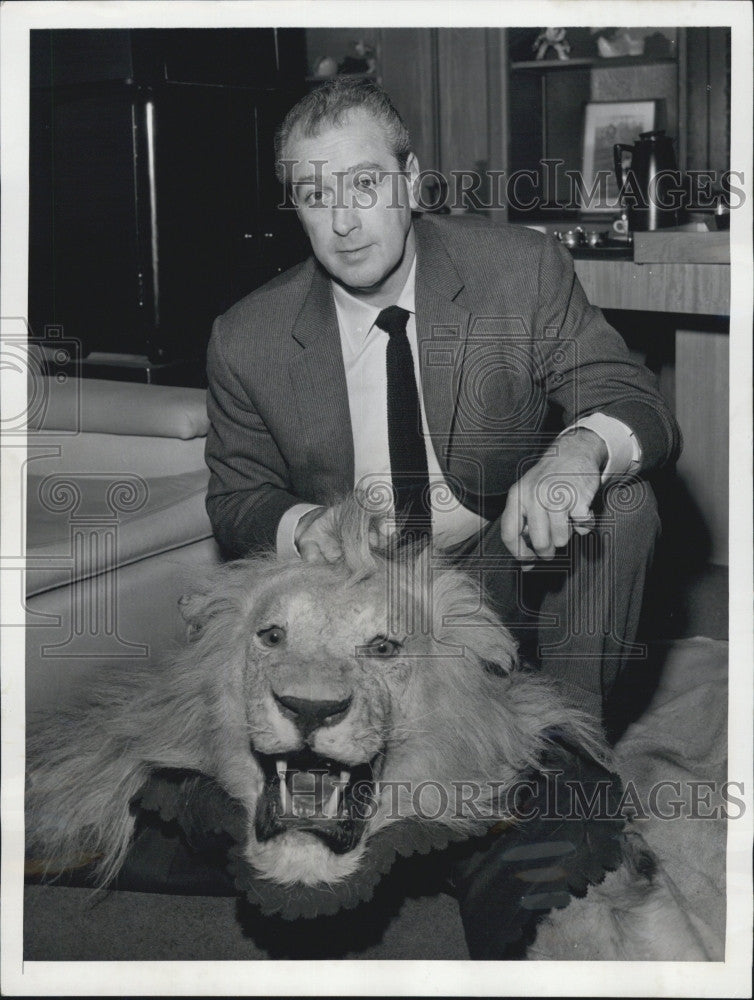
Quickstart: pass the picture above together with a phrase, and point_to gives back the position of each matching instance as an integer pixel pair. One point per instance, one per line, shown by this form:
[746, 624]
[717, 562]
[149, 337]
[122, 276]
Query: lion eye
[272, 636]
[382, 646]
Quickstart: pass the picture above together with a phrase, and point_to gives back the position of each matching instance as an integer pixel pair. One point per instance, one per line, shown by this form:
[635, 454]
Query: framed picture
[605, 123]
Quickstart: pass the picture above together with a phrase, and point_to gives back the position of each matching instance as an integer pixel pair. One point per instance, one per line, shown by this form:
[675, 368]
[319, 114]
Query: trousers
[577, 615]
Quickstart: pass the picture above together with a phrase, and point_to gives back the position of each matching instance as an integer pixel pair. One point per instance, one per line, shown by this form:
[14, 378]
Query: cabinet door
[84, 259]
[205, 171]
[249, 57]
[219, 234]
[279, 241]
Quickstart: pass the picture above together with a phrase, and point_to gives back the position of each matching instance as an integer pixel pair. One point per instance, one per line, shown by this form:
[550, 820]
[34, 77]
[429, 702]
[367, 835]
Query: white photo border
[19, 978]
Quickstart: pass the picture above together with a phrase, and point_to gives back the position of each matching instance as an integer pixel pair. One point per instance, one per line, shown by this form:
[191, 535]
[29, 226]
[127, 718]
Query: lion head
[331, 701]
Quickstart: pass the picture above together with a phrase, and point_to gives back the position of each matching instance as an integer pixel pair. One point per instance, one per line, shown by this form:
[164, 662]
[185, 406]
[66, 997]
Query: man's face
[353, 204]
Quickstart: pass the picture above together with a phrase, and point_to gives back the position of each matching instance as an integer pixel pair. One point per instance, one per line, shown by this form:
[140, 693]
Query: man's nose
[345, 219]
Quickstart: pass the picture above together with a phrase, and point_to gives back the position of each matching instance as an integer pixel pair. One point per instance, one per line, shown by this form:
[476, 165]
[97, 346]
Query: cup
[620, 225]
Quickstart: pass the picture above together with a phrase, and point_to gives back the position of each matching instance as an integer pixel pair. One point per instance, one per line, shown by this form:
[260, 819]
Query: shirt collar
[357, 318]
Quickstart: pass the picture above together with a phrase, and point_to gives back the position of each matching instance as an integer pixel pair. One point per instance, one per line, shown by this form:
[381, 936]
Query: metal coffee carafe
[650, 186]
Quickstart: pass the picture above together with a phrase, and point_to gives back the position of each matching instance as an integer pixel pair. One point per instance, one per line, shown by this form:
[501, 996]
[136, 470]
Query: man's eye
[315, 198]
[382, 646]
[366, 181]
[271, 637]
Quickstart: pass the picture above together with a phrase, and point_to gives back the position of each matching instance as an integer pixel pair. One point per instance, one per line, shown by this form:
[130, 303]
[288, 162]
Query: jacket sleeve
[248, 488]
[586, 366]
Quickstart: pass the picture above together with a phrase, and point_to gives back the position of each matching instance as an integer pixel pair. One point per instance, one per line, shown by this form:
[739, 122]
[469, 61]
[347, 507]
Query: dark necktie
[408, 455]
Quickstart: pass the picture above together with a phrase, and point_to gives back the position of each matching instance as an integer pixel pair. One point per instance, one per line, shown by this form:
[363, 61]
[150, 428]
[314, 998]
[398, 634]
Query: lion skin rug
[679, 747]
[311, 705]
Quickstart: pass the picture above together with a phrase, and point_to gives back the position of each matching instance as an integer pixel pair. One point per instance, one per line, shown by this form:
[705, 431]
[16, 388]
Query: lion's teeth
[281, 770]
[345, 777]
[331, 809]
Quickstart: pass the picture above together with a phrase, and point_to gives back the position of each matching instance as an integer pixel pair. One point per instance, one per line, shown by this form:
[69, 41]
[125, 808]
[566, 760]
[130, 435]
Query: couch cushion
[112, 454]
[117, 519]
[99, 405]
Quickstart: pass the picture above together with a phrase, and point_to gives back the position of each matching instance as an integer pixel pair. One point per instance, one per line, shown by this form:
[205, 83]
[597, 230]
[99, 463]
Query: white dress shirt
[363, 345]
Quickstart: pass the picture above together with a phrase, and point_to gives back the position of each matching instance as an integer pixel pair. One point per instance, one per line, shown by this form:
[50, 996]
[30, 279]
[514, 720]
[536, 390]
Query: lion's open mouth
[303, 791]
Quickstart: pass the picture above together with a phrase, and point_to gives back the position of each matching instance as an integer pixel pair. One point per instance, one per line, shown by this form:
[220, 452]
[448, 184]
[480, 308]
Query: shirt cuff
[285, 540]
[623, 448]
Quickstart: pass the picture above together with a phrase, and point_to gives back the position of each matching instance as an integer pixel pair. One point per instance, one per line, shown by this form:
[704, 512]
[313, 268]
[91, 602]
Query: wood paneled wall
[408, 69]
[708, 89]
[449, 84]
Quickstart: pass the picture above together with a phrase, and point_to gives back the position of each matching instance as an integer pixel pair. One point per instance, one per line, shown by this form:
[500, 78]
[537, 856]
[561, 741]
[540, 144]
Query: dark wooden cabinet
[153, 198]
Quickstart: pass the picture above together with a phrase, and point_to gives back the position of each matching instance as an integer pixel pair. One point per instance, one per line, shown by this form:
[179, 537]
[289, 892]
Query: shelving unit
[565, 64]
[546, 101]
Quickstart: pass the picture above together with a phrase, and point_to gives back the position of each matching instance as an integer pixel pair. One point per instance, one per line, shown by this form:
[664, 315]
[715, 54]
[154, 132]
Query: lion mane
[319, 698]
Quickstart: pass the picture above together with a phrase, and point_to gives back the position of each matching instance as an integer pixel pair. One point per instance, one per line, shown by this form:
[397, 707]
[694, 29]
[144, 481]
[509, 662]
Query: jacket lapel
[318, 382]
[442, 326]
[317, 373]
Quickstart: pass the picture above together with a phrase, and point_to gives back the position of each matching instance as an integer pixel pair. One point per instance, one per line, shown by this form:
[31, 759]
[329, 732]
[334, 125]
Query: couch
[116, 525]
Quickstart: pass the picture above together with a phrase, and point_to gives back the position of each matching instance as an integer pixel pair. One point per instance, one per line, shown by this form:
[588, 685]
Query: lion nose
[310, 715]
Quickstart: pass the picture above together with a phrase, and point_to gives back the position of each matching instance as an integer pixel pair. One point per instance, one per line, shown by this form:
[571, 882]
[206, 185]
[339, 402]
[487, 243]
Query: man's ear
[414, 182]
[293, 200]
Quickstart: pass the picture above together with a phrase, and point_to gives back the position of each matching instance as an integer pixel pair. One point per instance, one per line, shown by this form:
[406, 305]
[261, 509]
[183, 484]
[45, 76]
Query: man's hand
[554, 498]
[317, 541]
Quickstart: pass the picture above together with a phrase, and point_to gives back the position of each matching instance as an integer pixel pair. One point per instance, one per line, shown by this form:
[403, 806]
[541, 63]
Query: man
[432, 361]
[503, 344]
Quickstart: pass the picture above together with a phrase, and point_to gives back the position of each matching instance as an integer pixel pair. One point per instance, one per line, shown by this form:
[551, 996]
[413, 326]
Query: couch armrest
[98, 426]
[128, 408]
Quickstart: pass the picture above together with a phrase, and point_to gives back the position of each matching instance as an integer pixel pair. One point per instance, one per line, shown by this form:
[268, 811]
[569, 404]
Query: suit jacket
[510, 352]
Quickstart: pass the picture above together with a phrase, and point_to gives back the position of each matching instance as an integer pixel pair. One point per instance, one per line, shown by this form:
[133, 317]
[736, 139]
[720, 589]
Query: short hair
[326, 106]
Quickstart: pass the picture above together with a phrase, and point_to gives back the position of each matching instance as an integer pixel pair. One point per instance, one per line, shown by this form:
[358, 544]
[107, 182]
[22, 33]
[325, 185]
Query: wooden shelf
[352, 76]
[596, 61]
[695, 289]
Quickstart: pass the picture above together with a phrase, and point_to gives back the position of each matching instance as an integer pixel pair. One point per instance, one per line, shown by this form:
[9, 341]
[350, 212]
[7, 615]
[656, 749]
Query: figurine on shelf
[614, 42]
[360, 58]
[325, 66]
[552, 38]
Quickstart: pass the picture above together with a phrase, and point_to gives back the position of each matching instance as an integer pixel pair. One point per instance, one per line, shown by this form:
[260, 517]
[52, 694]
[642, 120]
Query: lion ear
[498, 669]
[502, 646]
[493, 644]
[189, 606]
[196, 612]
[470, 622]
